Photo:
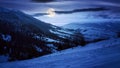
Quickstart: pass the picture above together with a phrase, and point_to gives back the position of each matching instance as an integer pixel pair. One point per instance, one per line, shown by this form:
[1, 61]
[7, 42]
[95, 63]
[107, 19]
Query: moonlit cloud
[74, 11]
[42, 0]
[64, 9]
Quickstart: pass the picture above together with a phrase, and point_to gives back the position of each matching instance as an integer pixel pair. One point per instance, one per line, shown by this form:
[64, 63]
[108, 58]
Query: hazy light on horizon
[31, 7]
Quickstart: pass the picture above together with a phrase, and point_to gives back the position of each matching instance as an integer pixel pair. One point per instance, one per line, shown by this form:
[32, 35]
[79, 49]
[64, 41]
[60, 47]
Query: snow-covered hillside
[104, 54]
[97, 31]
[24, 37]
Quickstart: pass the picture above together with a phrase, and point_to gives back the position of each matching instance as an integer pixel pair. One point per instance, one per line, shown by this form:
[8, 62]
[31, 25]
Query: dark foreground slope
[95, 55]
[24, 37]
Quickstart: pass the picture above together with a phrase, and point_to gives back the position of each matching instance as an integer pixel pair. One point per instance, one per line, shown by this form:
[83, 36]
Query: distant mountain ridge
[97, 31]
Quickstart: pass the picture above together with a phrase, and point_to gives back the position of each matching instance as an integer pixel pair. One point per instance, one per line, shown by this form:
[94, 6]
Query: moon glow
[51, 12]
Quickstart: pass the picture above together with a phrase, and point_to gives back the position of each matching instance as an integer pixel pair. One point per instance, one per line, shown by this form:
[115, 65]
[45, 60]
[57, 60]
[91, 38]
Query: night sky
[41, 6]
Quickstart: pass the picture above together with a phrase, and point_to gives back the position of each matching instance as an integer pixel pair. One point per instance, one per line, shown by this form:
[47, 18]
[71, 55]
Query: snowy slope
[104, 54]
[97, 31]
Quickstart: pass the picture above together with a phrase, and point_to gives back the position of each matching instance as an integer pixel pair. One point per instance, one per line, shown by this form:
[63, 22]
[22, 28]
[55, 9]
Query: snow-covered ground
[63, 33]
[3, 58]
[96, 30]
[104, 54]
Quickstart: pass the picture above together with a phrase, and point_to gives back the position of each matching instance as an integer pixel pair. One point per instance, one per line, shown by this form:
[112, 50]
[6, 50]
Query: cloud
[39, 14]
[75, 11]
[81, 10]
[42, 0]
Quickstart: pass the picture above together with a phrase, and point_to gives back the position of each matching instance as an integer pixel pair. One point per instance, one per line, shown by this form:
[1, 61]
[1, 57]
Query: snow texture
[104, 54]
[6, 38]
[3, 58]
[38, 49]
